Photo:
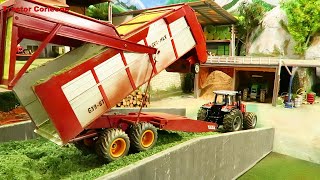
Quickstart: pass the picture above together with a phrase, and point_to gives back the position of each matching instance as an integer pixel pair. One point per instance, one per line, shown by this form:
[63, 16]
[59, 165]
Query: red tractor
[228, 110]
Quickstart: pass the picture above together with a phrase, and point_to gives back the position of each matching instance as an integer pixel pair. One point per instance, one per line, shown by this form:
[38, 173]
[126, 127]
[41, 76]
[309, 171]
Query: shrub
[8, 101]
[187, 83]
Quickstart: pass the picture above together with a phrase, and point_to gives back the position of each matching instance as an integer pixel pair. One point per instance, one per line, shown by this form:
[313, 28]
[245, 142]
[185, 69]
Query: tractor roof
[225, 92]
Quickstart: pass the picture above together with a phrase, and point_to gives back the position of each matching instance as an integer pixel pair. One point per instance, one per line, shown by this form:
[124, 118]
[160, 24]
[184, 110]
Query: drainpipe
[294, 70]
[318, 72]
[110, 11]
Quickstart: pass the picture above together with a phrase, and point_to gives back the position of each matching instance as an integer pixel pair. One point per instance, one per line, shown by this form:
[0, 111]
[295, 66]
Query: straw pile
[217, 80]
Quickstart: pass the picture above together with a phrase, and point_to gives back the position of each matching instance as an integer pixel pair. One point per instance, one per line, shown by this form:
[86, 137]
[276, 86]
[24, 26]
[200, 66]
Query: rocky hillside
[232, 5]
[272, 39]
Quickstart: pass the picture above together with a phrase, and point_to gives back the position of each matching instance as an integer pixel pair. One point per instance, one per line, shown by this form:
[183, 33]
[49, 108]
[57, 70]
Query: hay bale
[217, 80]
[210, 36]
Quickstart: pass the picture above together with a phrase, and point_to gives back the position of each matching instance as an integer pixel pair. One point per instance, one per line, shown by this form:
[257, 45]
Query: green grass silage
[278, 167]
[41, 159]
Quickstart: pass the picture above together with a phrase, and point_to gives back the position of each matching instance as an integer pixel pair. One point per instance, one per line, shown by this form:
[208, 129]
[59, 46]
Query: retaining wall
[225, 156]
[17, 131]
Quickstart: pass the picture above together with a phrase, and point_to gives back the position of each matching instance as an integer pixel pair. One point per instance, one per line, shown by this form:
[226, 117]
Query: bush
[8, 101]
[187, 83]
[316, 89]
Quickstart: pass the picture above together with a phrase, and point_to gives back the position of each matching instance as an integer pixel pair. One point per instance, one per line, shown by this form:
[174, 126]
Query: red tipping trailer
[68, 97]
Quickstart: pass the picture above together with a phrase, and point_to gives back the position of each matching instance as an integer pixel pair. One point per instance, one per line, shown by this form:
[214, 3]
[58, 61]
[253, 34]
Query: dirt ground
[297, 131]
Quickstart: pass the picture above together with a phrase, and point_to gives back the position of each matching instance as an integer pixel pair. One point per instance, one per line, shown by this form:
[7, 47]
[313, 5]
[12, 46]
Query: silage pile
[216, 80]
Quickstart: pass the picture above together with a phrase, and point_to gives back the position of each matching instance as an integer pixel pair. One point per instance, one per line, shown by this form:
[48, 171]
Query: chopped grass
[41, 159]
[277, 167]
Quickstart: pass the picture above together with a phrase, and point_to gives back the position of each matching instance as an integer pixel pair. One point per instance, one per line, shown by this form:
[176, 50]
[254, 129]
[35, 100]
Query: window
[32, 48]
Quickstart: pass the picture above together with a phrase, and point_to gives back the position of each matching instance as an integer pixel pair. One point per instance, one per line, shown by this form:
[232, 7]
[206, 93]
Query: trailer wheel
[263, 96]
[195, 68]
[143, 136]
[202, 114]
[112, 144]
[84, 147]
[233, 121]
[249, 120]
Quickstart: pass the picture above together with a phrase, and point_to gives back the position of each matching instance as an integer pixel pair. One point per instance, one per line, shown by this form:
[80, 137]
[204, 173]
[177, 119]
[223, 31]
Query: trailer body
[71, 93]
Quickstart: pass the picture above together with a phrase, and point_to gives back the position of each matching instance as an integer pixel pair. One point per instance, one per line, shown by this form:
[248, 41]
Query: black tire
[85, 149]
[202, 114]
[263, 96]
[233, 121]
[108, 140]
[86, 146]
[195, 68]
[245, 94]
[249, 120]
[143, 136]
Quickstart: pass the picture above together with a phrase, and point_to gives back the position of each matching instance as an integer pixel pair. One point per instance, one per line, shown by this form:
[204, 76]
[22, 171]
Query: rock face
[304, 78]
[238, 2]
[313, 52]
[273, 40]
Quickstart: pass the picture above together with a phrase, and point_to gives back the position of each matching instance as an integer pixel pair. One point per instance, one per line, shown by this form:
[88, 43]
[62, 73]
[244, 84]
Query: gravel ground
[297, 131]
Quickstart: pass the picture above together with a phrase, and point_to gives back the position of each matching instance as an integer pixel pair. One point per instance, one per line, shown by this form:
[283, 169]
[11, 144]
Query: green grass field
[281, 167]
[41, 159]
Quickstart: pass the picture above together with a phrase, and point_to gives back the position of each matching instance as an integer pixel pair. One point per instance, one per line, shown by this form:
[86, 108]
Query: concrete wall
[17, 131]
[225, 156]
[47, 52]
[166, 80]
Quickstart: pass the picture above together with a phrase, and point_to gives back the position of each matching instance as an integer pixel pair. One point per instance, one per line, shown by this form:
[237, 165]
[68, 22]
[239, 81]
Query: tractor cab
[227, 98]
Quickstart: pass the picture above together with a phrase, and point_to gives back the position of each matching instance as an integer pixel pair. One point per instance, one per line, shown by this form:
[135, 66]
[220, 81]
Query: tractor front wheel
[143, 136]
[233, 121]
[249, 120]
[112, 144]
[202, 113]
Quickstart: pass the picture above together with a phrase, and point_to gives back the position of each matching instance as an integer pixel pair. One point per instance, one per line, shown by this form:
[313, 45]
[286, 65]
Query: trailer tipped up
[68, 97]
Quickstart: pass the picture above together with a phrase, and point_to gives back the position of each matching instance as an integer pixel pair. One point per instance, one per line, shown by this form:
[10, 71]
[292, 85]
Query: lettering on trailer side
[85, 98]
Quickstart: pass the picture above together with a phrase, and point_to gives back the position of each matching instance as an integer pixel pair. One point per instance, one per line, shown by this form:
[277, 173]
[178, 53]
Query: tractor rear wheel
[112, 144]
[263, 96]
[233, 121]
[143, 136]
[249, 120]
[202, 113]
[245, 94]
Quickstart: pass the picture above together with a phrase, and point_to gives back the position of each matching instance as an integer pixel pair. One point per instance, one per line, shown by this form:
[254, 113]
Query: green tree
[303, 21]
[249, 18]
